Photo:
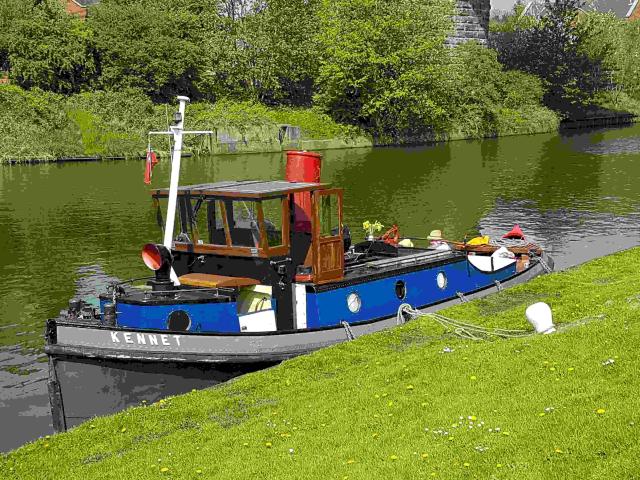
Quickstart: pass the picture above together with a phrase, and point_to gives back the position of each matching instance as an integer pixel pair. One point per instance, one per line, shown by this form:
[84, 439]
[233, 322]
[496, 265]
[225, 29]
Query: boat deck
[408, 259]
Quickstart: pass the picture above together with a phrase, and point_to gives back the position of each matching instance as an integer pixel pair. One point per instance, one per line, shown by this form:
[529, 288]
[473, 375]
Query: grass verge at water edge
[407, 403]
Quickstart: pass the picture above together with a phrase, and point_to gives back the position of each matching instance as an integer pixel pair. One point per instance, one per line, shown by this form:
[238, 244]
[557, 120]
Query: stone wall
[471, 22]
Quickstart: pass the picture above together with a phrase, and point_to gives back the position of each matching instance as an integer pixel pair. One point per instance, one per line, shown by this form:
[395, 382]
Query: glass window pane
[243, 223]
[216, 223]
[329, 226]
[198, 227]
[272, 210]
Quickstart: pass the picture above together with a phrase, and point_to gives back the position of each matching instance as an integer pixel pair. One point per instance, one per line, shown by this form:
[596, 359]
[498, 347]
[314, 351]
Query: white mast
[175, 176]
[176, 131]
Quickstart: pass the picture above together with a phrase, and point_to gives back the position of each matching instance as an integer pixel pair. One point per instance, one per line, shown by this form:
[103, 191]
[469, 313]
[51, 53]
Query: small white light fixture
[540, 317]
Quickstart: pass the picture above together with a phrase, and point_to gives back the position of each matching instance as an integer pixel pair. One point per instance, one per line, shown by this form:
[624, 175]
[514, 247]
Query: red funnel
[303, 166]
[515, 232]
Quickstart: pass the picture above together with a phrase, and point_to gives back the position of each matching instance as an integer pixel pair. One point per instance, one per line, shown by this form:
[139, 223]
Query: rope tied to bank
[462, 329]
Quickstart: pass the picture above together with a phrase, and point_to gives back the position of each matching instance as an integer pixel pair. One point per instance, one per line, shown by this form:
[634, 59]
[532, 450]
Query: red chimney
[303, 166]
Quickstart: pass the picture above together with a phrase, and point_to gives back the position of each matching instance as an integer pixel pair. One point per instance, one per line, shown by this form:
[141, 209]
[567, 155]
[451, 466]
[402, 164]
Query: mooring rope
[347, 329]
[462, 329]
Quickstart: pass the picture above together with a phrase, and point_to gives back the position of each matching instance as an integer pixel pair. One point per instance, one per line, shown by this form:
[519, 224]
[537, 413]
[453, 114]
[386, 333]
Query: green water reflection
[59, 221]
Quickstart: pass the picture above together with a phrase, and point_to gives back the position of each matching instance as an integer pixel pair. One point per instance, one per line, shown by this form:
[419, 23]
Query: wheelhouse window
[273, 214]
[242, 216]
[329, 216]
[246, 226]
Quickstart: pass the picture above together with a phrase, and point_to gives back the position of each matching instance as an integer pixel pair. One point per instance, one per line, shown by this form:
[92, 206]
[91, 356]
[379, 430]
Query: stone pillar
[471, 22]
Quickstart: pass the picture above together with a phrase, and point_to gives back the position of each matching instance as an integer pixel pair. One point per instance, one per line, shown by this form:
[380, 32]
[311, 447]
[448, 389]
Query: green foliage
[380, 62]
[615, 43]
[113, 123]
[10, 12]
[242, 115]
[49, 49]
[516, 20]
[570, 76]
[267, 54]
[43, 125]
[480, 99]
[34, 125]
[152, 45]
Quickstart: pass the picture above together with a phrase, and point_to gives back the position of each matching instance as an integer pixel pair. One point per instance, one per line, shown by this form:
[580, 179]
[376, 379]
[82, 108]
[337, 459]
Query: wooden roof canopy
[243, 189]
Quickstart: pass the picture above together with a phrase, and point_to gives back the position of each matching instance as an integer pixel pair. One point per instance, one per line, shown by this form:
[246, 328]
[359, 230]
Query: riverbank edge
[262, 420]
[283, 143]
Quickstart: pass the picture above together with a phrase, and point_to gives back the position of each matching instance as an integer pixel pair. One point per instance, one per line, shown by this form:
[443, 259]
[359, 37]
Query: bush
[552, 50]
[380, 62]
[49, 49]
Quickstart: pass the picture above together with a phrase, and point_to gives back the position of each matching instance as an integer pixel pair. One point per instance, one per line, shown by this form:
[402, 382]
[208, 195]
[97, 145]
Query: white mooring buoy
[540, 317]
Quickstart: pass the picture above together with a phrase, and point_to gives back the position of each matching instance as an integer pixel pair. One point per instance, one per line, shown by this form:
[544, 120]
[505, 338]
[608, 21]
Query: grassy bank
[46, 126]
[406, 403]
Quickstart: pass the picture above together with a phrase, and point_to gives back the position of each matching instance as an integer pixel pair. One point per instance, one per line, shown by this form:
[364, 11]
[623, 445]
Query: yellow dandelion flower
[350, 461]
[123, 429]
[268, 444]
[570, 369]
[424, 455]
[198, 471]
[557, 450]
[46, 445]
[466, 464]
[409, 387]
[164, 469]
[473, 418]
[498, 465]
[393, 457]
[473, 378]
[600, 411]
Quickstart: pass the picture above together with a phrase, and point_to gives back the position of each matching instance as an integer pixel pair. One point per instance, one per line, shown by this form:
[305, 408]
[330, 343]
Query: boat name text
[145, 338]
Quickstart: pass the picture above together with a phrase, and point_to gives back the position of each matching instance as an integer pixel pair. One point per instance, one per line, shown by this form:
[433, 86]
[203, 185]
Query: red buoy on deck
[303, 166]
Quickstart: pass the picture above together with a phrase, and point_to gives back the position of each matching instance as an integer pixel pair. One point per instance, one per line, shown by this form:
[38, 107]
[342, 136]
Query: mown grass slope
[413, 402]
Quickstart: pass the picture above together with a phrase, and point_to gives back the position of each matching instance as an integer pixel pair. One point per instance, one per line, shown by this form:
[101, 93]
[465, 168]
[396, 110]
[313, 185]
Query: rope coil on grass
[462, 329]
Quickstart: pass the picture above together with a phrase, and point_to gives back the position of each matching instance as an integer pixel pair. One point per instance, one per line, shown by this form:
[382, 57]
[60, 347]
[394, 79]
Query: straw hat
[435, 235]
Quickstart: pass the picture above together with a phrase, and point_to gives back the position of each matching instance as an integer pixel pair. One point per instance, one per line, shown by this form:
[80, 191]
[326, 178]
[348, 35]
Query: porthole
[441, 280]
[178, 321]
[354, 302]
[401, 289]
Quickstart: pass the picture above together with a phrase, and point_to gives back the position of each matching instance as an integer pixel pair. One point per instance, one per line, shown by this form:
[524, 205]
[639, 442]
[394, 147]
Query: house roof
[85, 3]
[621, 8]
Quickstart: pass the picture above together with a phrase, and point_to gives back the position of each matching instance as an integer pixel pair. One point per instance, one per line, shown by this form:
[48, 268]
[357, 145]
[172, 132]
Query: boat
[252, 273]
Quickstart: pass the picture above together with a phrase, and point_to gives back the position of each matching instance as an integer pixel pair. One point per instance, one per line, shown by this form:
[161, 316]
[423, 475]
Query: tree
[49, 49]
[382, 63]
[551, 49]
[263, 51]
[153, 45]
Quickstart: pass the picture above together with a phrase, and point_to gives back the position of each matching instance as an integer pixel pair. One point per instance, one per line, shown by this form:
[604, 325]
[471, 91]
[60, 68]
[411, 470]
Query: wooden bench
[214, 281]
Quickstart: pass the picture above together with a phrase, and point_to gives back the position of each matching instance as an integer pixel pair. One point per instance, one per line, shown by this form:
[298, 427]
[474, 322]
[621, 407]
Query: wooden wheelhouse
[290, 224]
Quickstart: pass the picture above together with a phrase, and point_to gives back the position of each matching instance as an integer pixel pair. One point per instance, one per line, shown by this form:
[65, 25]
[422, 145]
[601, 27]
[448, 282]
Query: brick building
[79, 7]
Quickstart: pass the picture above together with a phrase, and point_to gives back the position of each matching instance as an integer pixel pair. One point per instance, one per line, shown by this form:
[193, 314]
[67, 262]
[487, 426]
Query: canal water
[67, 229]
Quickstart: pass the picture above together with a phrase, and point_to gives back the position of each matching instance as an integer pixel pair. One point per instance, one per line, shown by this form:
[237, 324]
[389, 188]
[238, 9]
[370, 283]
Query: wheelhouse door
[328, 242]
